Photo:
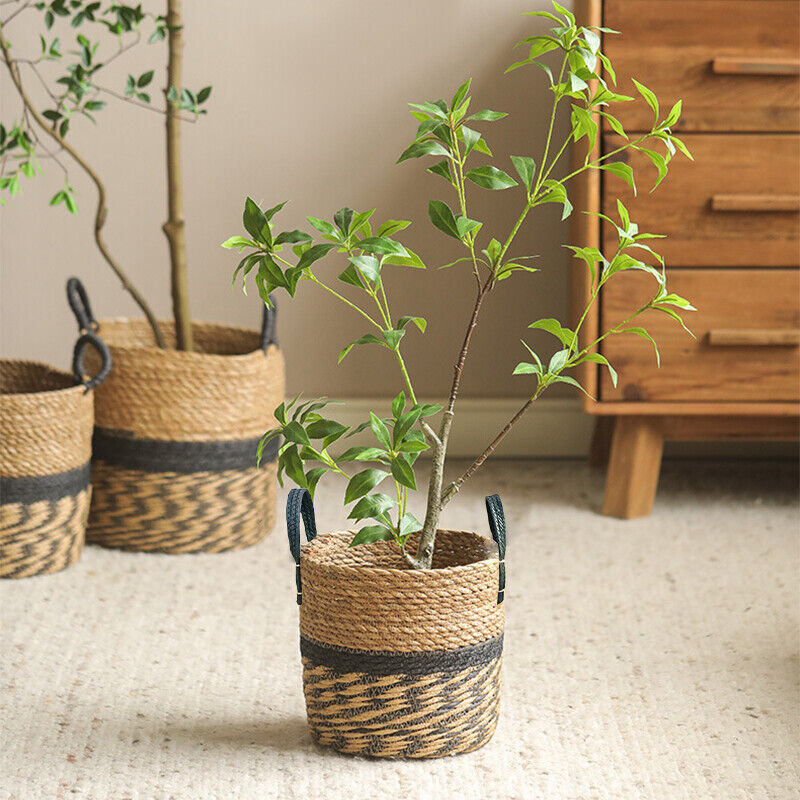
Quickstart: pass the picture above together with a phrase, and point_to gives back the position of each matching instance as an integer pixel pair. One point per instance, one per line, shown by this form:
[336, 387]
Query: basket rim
[181, 355]
[492, 559]
[77, 388]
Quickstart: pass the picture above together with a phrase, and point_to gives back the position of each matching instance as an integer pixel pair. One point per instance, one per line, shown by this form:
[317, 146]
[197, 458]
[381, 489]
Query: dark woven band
[44, 487]
[343, 659]
[159, 455]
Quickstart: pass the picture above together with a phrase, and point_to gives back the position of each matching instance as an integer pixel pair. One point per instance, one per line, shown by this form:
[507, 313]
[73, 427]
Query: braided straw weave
[45, 446]
[174, 464]
[401, 663]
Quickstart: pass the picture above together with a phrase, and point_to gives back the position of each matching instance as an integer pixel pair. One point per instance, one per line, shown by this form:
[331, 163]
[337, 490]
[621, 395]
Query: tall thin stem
[175, 226]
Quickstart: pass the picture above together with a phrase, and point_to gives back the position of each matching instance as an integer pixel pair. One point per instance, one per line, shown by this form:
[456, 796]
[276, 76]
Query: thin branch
[102, 211]
[141, 104]
[14, 13]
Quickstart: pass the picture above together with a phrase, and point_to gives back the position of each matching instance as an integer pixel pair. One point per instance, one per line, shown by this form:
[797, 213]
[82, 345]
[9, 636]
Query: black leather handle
[497, 525]
[78, 301]
[78, 368]
[299, 505]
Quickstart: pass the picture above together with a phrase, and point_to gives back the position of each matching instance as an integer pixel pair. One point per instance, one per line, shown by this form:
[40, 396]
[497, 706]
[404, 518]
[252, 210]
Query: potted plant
[173, 455]
[402, 623]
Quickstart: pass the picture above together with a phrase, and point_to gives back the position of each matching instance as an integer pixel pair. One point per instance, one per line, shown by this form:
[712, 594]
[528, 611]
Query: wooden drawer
[734, 307]
[718, 211]
[732, 62]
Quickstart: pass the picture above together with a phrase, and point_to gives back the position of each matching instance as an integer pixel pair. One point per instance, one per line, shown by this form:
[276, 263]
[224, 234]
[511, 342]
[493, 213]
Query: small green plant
[71, 75]
[448, 132]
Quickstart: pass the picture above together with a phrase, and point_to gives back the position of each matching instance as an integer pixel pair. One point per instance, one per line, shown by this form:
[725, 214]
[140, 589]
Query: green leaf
[367, 338]
[649, 97]
[489, 177]
[659, 162]
[380, 430]
[255, 222]
[324, 428]
[621, 170]
[238, 242]
[325, 227]
[411, 260]
[487, 115]
[293, 465]
[145, 79]
[428, 147]
[554, 327]
[393, 337]
[558, 361]
[409, 524]
[372, 533]
[368, 266]
[362, 454]
[404, 424]
[464, 225]
[314, 253]
[429, 409]
[363, 482]
[597, 358]
[392, 226]
[352, 276]
[294, 432]
[312, 478]
[372, 506]
[403, 473]
[643, 334]
[398, 404]
[344, 219]
[461, 93]
[382, 246]
[526, 169]
[524, 368]
[556, 194]
[420, 322]
[442, 168]
[442, 217]
[572, 382]
[293, 237]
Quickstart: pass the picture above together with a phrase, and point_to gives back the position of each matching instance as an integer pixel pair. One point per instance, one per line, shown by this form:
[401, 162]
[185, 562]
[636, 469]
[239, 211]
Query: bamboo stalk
[174, 227]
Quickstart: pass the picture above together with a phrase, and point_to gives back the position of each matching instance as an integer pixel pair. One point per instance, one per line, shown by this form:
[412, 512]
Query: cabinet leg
[634, 465]
[600, 448]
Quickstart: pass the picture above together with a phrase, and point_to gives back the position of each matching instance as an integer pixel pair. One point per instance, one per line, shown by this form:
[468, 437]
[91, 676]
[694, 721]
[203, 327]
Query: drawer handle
[755, 202]
[742, 65]
[754, 337]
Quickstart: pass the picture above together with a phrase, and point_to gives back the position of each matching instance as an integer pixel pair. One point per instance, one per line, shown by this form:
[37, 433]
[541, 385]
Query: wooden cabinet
[733, 234]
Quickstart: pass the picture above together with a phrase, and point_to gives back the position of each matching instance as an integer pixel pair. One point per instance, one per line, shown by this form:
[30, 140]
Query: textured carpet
[651, 659]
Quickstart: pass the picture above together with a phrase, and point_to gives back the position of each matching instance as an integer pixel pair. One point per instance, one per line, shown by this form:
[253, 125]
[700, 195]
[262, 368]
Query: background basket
[400, 663]
[174, 450]
[45, 446]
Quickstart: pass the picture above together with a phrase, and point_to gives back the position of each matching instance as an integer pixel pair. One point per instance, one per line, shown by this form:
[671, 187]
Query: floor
[653, 659]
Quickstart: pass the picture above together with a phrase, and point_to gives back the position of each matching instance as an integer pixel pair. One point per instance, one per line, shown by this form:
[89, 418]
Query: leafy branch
[446, 131]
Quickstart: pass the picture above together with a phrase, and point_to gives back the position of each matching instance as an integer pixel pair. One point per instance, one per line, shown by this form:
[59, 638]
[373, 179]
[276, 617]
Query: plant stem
[102, 211]
[175, 227]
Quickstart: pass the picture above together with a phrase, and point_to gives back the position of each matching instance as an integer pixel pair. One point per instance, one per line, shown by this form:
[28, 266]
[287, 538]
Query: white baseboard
[551, 428]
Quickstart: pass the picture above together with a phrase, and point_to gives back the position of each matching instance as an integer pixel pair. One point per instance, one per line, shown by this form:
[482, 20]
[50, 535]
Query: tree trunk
[174, 227]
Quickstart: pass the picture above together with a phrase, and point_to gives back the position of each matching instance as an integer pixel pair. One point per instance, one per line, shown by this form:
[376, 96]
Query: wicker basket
[45, 446]
[399, 663]
[174, 449]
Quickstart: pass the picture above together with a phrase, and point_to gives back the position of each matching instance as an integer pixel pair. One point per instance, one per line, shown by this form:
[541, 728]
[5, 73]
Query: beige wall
[309, 105]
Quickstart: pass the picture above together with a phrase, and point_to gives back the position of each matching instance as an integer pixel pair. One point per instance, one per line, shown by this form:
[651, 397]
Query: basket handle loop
[78, 301]
[497, 525]
[78, 368]
[269, 323]
[299, 505]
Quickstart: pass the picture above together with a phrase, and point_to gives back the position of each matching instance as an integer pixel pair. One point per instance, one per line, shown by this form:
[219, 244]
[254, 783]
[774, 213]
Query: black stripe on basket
[344, 659]
[159, 455]
[33, 489]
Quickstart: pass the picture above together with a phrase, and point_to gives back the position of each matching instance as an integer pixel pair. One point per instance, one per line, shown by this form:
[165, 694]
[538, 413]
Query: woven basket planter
[399, 663]
[174, 449]
[45, 446]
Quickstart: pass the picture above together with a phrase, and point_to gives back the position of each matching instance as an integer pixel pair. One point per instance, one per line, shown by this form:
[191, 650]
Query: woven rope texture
[45, 446]
[401, 663]
[163, 417]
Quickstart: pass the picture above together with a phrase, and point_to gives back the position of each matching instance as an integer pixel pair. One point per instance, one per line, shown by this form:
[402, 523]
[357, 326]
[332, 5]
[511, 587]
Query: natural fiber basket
[399, 663]
[45, 446]
[176, 433]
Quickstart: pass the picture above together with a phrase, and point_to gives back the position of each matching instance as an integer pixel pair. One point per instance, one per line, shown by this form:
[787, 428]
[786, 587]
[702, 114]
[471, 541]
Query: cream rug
[650, 659]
